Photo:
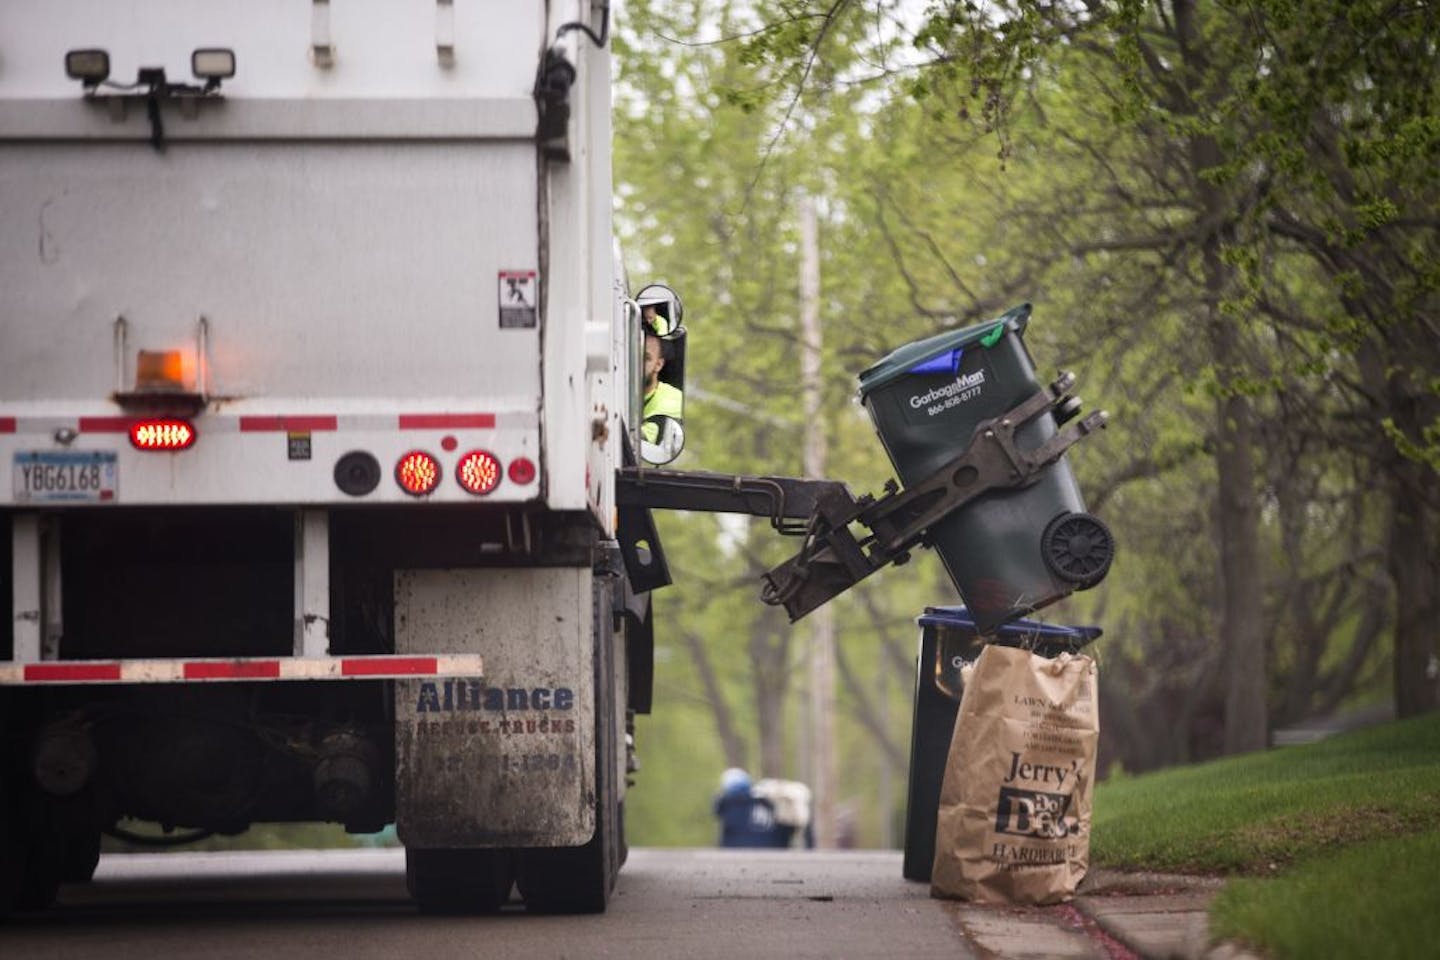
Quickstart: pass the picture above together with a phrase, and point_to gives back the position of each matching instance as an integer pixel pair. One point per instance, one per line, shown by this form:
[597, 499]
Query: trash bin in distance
[1009, 551]
[948, 641]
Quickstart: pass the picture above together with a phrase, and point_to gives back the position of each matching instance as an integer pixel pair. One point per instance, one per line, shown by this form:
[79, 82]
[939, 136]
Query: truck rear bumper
[234, 669]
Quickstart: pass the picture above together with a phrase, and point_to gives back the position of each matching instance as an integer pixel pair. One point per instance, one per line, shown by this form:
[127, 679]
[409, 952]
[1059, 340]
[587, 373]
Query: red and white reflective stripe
[447, 421]
[379, 667]
[284, 423]
[298, 424]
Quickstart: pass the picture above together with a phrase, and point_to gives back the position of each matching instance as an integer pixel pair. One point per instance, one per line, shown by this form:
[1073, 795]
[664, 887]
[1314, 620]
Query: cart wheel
[1078, 548]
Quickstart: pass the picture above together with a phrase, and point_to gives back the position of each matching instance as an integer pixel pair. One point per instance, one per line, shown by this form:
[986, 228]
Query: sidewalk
[1116, 916]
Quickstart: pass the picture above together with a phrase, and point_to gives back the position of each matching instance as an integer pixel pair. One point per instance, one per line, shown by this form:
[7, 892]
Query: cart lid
[941, 353]
[960, 617]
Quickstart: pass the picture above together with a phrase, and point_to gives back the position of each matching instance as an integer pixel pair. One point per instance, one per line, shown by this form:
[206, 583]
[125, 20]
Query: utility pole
[885, 787]
[822, 624]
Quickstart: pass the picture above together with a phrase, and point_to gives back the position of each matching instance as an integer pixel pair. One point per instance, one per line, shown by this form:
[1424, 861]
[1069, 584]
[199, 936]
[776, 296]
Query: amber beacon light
[161, 435]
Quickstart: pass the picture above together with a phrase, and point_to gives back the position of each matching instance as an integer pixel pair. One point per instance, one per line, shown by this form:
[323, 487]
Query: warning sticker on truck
[517, 300]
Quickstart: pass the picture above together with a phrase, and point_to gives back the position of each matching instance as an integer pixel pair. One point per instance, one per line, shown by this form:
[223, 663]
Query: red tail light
[478, 472]
[418, 473]
[522, 471]
[161, 434]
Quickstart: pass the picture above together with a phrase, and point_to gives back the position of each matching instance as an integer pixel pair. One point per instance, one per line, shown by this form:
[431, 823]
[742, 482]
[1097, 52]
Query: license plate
[65, 476]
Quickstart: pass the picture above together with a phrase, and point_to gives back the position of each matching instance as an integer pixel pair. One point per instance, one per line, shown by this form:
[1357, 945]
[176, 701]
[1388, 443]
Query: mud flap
[507, 761]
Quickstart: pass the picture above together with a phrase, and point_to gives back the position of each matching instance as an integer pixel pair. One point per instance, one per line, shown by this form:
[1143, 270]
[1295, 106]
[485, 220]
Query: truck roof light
[213, 64]
[90, 67]
[478, 472]
[418, 473]
[522, 471]
[161, 434]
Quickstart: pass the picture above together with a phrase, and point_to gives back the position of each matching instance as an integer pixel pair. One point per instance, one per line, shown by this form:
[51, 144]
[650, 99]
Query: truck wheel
[82, 855]
[43, 850]
[932, 727]
[458, 881]
[41, 886]
[35, 848]
[569, 880]
[12, 854]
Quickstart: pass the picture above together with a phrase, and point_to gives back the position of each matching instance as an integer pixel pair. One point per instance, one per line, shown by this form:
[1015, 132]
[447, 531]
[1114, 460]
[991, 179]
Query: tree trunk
[1236, 510]
[730, 740]
[822, 623]
[1237, 523]
[1388, 361]
[1415, 571]
[1237, 514]
[769, 650]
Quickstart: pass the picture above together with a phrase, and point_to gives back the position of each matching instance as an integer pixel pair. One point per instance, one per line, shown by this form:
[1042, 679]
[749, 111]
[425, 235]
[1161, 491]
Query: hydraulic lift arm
[848, 538]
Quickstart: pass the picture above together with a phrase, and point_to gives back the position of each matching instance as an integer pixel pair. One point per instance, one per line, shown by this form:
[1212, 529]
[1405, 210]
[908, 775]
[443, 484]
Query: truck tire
[933, 725]
[459, 881]
[41, 886]
[570, 880]
[574, 880]
[31, 844]
[12, 853]
[42, 852]
[82, 855]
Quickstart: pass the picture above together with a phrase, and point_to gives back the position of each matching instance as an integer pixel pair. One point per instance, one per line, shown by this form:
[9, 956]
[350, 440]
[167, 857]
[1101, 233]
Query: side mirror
[662, 431]
[669, 439]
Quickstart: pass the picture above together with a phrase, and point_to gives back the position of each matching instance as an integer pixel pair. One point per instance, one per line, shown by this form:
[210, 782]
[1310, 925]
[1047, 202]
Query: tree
[1248, 288]
[1301, 127]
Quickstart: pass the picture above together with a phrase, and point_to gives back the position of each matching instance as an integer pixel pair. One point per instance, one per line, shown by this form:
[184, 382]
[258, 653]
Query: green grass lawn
[1375, 900]
[1337, 843]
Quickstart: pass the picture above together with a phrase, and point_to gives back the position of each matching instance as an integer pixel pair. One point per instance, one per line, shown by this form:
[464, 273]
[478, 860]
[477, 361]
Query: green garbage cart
[1011, 551]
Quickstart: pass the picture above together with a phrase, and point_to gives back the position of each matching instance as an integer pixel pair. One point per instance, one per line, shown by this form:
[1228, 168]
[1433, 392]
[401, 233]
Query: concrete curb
[1157, 915]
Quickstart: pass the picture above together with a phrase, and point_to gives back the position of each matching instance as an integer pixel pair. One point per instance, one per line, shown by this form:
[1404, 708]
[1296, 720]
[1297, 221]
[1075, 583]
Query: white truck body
[346, 234]
[365, 243]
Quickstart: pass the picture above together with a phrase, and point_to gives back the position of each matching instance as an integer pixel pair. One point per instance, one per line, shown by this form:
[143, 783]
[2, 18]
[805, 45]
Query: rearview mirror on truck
[662, 432]
[669, 440]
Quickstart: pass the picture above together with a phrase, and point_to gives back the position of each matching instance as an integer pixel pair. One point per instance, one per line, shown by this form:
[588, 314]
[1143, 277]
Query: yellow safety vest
[663, 401]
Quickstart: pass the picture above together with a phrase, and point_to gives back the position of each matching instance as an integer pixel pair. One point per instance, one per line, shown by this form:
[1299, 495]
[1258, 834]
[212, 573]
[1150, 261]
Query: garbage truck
[317, 368]
[327, 409]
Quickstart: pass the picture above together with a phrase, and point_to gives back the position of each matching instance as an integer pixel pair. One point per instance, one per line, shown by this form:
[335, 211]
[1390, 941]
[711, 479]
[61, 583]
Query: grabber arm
[847, 538]
[833, 558]
[787, 502]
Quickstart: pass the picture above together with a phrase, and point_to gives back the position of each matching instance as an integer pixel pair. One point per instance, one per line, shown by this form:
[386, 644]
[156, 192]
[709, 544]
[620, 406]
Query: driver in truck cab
[660, 316]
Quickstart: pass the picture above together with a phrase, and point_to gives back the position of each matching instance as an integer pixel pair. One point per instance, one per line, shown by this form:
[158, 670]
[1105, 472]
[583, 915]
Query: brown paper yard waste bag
[1014, 821]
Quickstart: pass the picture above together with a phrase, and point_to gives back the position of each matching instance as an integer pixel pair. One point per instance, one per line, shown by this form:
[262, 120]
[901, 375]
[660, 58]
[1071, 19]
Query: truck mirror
[668, 439]
[662, 311]
[662, 434]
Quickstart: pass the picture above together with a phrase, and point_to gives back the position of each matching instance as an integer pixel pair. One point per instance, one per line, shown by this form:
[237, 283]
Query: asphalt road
[688, 904]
